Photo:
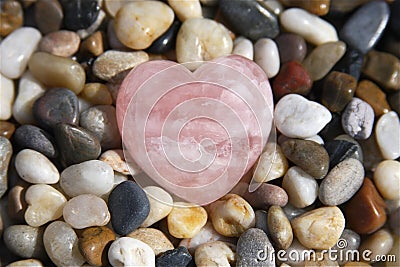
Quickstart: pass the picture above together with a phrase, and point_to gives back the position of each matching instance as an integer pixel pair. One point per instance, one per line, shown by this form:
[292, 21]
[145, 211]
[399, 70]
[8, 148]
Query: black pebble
[339, 150]
[179, 256]
[165, 42]
[129, 207]
[79, 14]
[30, 136]
[57, 105]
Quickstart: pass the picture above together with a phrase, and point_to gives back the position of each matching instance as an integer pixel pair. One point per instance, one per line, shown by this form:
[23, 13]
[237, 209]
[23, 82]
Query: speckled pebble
[358, 119]
[156, 239]
[25, 241]
[279, 227]
[179, 256]
[33, 137]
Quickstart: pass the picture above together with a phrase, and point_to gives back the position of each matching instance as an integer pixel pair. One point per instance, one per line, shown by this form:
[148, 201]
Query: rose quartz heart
[195, 134]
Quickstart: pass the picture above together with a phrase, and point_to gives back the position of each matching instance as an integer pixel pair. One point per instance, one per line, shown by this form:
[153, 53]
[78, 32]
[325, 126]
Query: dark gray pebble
[179, 256]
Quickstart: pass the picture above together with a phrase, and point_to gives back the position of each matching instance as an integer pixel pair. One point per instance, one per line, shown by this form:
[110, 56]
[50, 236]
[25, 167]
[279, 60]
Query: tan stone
[185, 220]
[96, 94]
[154, 238]
[272, 164]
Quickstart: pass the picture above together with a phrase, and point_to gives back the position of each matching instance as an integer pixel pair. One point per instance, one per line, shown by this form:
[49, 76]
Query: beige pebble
[115, 158]
[387, 179]
[60, 43]
[154, 238]
[195, 43]
[187, 9]
[243, 47]
[138, 24]
[55, 71]
[271, 165]
[45, 204]
[395, 251]
[27, 262]
[112, 62]
[320, 228]
[185, 220]
[231, 215]
[378, 244]
[216, 253]
[279, 227]
[96, 94]
[160, 204]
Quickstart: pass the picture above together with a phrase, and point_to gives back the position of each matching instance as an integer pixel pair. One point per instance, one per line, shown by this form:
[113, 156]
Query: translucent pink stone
[195, 134]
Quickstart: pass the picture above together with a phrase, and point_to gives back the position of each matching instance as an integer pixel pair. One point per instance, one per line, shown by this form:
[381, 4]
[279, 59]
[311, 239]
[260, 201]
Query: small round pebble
[25, 241]
[61, 244]
[186, 9]
[94, 44]
[358, 119]
[266, 55]
[60, 43]
[156, 239]
[127, 251]
[216, 253]
[45, 204]
[185, 220]
[48, 15]
[297, 117]
[231, 215]
[292, 47]
[279, 227]
[86, 210]
[89, 177]
[96, 94]
[265, 195]
[379, 243]
[271, 165]
[160, 204]
[341, 183]
[12, 17]
[387, 179]
[387, 134]
[79, 14]
[179, 256]
[243, 47]
[129, 207]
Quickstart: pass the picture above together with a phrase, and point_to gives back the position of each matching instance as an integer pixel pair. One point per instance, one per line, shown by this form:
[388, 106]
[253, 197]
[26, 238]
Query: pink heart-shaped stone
[195, 134]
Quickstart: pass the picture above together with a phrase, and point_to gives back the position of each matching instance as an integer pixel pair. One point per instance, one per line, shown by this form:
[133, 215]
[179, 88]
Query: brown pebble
[48, 15]
[94, 244]
[96, 94]
[94, 44]
[266, 195]
[365, 212]
[373, 95]
[6, 129]
[11, 17]
[279, 227]
[317, 7]
[60, 43]
[394, 100]
[16, 203]
[338, 90]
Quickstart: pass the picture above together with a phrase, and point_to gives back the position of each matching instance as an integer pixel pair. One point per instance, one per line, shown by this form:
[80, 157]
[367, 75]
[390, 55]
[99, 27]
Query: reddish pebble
[60, 43]
[365, 212]
[266, 195]
[292, 78]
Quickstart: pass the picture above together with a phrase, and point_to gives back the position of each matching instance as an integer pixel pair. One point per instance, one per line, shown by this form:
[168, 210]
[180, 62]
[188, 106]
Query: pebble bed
[68, 198]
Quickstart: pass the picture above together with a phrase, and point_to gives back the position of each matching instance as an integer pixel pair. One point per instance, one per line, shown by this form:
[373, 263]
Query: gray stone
[348, 241]
[358, 119]
[25, 241]
[5, 156]
[262, 220]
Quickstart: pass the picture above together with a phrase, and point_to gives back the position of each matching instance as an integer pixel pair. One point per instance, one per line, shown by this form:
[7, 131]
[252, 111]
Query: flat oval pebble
[358, 119]
[320, 228]
[127, 251]
[298, 117]
[292, 47]
[7, 94]
[156, 239]
[61, 243]
[35, 168]
[351, 62]
[231, 215]
[129, 207]
[338, 90]
[16, 49]
[387, 134]
[266, 55]
[179, 256]
[28, 263]
[185, 220]
[186, 9]
[271, 165]
[341, 183]
[365, 212]
[6, 152]
[55, 71]
[312, 28]
[160, 204]
[301, 187]
[89, 177]
[138, 24]
[265, 195]
[194, 43]
[322, 59]
[383, 68]
[377, 244]
[279, 227]
[85, 211]
[101, 120]
[112, 62]
[32, 137]
[216, 253]
[48, 16]
[373, 95]
[12, 17]
[256, 22]
[25, 241]
[248, 249]
[57, 105]
[77, 144]
[60, 43]
[292, 78]
[243, 47]
[364, 28]
[45, 204]
[387, 179]
[29, 89]
[94, 243]
[80, 14]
